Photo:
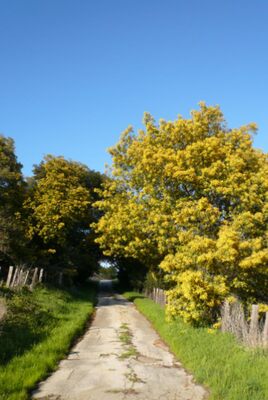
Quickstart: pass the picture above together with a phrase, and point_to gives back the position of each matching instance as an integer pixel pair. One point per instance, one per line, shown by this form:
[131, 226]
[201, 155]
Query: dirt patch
[148, 360]
[159, 343]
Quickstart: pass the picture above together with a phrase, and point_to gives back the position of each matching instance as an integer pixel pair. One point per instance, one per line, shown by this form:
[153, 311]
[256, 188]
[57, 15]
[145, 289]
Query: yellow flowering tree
[59, 207]
[190, 197]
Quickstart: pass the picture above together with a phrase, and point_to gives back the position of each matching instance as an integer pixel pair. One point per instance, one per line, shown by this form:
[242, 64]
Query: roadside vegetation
[228, 370]
[187, 200]
[183, 208]
[45, 219]
[38, 330]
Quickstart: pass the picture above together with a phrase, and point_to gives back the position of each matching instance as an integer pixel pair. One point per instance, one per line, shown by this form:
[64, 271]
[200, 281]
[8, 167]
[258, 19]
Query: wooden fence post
[158, 296]
[254, 326]
[34, 278]
[41, 275]
[19, 277]
[3, 309]
[9, 277]
[265, 331]
[14, 277]
[163, 298]
[26, 277]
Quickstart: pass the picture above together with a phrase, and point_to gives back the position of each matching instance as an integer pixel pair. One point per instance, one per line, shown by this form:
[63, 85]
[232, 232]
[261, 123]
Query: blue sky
[75, 73]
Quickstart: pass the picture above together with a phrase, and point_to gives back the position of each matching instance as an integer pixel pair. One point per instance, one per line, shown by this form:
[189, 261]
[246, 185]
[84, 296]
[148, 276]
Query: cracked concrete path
[120, 357]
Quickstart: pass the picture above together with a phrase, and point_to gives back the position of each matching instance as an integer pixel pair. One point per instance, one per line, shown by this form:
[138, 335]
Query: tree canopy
[60, 212]
[12, 190]
[45, 219]
[189, 197]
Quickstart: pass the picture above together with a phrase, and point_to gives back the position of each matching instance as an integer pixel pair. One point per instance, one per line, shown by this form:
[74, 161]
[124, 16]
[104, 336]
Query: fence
[157, 295]
[18, 277]
[21, 276]
[3, 310]
[253, 333]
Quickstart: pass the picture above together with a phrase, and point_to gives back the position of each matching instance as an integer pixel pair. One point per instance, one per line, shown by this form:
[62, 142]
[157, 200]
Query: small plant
[131, 352]
[133, 377]
[125, 337]
[125, 334]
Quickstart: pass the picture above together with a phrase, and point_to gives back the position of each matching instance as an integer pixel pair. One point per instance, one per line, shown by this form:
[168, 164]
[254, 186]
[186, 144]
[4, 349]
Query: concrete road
[120, 357]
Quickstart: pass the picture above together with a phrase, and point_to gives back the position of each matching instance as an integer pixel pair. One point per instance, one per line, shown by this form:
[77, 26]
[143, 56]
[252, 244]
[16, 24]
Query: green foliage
[46, 219]
[108, 272]
[25, 324]
[12, 191]
[216, 360]
[131, 273]
[60, 212]
[190, 196]
[38, 332]
[125, 337]
[154, 279]
[11, 182]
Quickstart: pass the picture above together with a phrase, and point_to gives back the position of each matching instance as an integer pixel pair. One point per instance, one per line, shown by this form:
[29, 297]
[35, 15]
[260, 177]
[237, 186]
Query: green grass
[39, 330]
[125, 338]
[227, 369]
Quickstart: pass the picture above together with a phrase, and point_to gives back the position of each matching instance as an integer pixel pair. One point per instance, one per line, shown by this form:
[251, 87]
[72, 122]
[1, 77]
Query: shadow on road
[107, 295]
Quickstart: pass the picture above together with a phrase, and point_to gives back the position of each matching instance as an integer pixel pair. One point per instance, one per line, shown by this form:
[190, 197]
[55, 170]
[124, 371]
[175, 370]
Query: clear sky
[75, 73]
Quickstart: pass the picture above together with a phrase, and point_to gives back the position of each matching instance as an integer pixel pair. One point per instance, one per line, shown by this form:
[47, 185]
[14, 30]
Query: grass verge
[216, 360]
[38, 332]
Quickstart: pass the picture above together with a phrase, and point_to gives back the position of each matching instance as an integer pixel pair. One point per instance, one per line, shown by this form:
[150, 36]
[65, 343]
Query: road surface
[120, 357]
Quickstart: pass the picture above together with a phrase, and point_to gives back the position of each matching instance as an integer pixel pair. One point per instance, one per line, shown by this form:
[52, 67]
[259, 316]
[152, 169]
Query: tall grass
[38, 333]
[227, 369]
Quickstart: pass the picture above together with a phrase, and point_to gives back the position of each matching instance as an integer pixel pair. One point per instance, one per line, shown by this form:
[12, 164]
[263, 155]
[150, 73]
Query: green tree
[60, 213]
[12, 191]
